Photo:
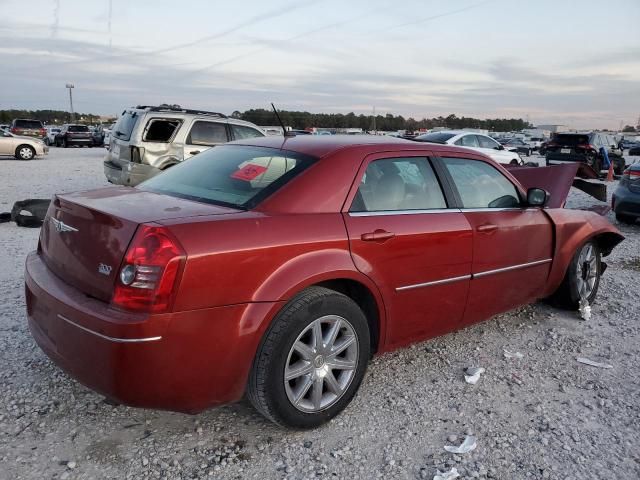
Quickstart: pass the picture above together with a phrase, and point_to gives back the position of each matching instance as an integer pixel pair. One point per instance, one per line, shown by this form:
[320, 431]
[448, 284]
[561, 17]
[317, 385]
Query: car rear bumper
[129, 174]
[79, 141]
[185, 361]
[626, 202]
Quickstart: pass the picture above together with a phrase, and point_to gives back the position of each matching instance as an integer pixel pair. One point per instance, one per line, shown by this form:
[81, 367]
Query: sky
[567, 62]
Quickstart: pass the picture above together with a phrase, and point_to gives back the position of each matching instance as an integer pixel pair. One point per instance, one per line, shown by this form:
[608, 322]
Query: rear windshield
[28, 124]
[229, 175]
[78, 128]
[125, 124]
[436, 137]
[568, 139]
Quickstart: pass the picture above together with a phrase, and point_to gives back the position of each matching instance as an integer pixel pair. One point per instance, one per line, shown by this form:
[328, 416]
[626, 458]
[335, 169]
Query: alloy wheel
[587, 271]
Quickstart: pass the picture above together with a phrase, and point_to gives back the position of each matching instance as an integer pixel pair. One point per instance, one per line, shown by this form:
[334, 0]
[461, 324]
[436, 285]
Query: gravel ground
[537, 417]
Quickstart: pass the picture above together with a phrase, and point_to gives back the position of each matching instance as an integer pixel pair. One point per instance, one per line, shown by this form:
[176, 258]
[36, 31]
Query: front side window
[398, 184]
[467, 141]
[480, 185]
[161, 129]
[486, 142]
[240, 132]
[207, 133]
[230, 175]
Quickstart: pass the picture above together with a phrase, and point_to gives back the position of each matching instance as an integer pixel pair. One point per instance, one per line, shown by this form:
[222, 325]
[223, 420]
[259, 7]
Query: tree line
[48, 116]
[388, 122]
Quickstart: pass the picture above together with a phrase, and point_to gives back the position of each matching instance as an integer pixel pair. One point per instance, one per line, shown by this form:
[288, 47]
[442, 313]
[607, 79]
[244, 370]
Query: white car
[23, 148]
[50, 139]
[474, 141]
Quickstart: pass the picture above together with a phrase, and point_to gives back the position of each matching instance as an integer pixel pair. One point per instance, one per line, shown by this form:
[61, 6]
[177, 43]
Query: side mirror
[537, 197]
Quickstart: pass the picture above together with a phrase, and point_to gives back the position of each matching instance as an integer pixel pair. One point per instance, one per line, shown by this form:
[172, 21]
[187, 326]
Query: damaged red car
[277, 267]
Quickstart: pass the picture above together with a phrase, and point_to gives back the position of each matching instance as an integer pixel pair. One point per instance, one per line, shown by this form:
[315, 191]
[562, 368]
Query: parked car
[474, 141]
[107, 134]
[50, 138]
[634, 151]
[71, 135]
[585, 148]
[627, 144]
[21, 147]
[278, 269]
[97, 135]
[625, 201]
[518, 146]
[28, 128]
[5, 127]
[147, 140]
[535, 143]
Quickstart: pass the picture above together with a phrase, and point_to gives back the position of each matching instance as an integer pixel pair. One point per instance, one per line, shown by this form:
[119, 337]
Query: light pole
[71, 86]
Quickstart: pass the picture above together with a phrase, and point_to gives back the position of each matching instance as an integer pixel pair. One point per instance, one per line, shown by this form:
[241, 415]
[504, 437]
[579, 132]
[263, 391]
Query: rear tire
[65, 144]
[25, 152]
[321, 383]
[580, 279]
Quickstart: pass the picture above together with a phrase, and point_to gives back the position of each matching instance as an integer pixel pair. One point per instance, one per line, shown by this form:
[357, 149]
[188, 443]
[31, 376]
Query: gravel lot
[541, 416]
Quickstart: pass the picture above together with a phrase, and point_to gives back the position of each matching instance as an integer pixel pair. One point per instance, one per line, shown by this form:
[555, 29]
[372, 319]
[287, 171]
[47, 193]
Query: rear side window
[480, 185]
[161, 129]
[28, 124]
[78, 128]
[207, 133]
[240, 132]
[486, 142]
[125, 125]
[230, 175]
[396, 184]
[467, 141]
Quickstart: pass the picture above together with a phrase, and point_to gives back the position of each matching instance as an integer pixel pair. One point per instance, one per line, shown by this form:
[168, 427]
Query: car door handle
[377, 236]
[194, 152]
[487, 228]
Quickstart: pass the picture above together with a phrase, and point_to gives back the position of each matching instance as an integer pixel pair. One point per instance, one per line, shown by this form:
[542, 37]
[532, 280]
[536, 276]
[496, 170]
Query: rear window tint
[125, 125]
[78, 128]
[28, 124]
[566, 139]
[161, 129]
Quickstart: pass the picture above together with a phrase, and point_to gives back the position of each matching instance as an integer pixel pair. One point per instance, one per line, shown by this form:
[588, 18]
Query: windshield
[233, 176]
[436, 137]
[566, 139]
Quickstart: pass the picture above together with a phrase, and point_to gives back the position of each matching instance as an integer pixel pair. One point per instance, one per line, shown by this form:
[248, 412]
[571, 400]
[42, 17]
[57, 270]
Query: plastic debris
[472, 374]
[584, 309]
[586, 361]
[468, 445]
[450, 475]
[508, 354]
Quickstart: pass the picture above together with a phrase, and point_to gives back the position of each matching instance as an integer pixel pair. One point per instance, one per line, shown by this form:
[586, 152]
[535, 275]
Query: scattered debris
[472, 374]
[508, 354]
[584, 309]
[468, 445]
[450, 475]
[586, 361]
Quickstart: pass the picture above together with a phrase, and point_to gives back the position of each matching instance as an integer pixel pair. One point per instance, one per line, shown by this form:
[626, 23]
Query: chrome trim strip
[512, 267]
[510, 209]
[403, 212]
[435, 282]
[111, 339]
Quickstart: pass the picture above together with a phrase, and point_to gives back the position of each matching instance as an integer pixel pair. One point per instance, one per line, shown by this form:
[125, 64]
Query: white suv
[146, 140]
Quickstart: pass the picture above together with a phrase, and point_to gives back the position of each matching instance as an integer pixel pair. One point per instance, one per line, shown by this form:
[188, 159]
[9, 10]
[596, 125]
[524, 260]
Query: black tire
[65, 144]
[47, 142]
[568, 295]
[25, 152]
[619, 166]
[266, 390]
[514, 162]
[622, 218]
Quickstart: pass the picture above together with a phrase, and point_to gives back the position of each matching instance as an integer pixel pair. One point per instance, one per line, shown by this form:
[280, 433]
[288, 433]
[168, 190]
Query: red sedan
[276, 267]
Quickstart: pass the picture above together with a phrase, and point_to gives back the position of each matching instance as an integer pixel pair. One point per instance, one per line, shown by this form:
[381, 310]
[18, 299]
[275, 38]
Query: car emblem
[61, 226]
[104, 269]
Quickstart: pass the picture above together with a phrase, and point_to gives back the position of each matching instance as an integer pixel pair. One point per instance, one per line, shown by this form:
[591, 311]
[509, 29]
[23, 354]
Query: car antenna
[284, 130]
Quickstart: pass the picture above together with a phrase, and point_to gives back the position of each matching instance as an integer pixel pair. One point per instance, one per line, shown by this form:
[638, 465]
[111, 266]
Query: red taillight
[14, 130]
[586, 146]
[148, 276]
[43, 132]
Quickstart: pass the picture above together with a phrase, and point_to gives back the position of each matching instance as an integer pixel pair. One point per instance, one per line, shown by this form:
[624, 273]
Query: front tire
[582, 278]
[25, 152]
[311, 360]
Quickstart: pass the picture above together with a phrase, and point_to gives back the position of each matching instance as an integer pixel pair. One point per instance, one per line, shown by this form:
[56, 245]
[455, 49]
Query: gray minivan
[146, 140]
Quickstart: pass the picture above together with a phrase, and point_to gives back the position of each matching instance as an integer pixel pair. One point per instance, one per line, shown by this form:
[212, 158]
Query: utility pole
[70, 86]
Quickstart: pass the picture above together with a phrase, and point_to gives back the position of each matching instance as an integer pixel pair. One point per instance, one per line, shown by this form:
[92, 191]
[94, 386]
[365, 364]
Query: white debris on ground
[584, 309]
[586, 361]
[450, 475]
[472, 374]
[468, 445]
[510, 354]
[544, 418]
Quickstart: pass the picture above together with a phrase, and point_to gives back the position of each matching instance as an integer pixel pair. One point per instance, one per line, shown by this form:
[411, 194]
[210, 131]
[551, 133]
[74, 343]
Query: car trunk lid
[86, 235]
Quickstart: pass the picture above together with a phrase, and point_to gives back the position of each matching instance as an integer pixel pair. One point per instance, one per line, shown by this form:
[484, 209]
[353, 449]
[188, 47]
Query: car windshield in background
[124, 126]
[232, 176]
[78, 128]
[436, 137]
[28, 124]
[567, 139]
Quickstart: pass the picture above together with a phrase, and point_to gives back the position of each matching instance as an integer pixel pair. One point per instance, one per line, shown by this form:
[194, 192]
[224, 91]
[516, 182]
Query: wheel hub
[318, 362]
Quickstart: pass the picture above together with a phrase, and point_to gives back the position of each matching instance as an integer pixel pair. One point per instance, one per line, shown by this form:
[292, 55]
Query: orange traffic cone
[610, 172]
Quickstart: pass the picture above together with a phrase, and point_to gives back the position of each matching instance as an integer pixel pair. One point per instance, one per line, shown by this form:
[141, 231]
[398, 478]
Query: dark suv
[71, 135]
[28, 128]
[585, 148]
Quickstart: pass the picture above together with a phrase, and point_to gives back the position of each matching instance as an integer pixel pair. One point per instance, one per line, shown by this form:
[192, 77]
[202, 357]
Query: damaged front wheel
[582, 279]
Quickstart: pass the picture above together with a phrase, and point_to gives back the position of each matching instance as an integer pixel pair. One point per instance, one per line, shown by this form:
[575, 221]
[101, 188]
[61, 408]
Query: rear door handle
[377, 236]
[487, 228]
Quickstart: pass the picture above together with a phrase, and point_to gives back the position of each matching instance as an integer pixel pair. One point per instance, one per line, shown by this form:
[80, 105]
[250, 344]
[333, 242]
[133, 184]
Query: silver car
[146, 140]
[23, 148]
